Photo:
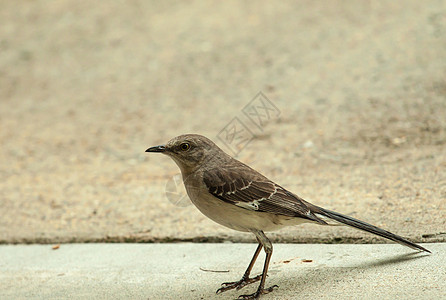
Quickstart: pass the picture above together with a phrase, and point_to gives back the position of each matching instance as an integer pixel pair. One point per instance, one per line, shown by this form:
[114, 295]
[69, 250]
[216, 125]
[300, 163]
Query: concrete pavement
[188, 271]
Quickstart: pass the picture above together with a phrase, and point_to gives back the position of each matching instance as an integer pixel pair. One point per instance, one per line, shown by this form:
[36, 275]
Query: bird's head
[189, 151]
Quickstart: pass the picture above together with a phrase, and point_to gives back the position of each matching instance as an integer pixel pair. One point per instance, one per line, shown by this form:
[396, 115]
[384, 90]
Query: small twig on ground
[215, 271]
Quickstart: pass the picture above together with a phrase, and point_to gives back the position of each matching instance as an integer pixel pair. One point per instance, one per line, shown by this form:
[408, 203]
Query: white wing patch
[329, 221]
[254, 205]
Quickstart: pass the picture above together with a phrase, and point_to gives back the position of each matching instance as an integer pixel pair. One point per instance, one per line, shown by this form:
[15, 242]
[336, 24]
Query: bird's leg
[269, 251]
[226, 286]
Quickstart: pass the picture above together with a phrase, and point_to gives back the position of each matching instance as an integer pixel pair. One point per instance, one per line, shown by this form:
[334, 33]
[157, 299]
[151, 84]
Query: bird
[234, 195]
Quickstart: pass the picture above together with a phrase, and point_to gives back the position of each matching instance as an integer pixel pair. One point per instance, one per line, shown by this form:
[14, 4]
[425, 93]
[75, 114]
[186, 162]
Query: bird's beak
[160, 148]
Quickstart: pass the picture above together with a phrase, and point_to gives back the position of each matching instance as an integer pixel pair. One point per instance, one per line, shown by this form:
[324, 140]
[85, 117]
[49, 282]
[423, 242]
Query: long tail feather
[365, 226]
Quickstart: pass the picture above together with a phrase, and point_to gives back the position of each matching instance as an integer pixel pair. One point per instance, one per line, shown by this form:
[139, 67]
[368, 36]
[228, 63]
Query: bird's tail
[364, 226]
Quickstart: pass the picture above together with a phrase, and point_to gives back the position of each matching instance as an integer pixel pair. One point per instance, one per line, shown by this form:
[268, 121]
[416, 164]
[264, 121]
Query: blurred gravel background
[86, 87]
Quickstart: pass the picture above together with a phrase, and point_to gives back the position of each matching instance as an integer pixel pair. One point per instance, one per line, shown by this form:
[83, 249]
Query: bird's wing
[250, 190]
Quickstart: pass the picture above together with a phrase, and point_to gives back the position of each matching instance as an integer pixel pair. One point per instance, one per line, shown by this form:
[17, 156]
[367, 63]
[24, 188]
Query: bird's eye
[185, 146]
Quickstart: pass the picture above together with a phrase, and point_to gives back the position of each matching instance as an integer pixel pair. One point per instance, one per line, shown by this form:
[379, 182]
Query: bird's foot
[226, 286]
[257, 294]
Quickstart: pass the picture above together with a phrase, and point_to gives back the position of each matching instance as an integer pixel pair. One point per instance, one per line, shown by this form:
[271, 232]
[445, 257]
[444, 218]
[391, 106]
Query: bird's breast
[228, 214]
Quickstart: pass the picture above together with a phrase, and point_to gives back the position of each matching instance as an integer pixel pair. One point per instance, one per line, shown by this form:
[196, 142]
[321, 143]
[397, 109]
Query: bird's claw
[257, 294]
[226, 286]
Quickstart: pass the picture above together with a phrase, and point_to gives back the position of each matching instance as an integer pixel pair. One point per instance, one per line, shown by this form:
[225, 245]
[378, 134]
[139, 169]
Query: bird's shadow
[320, 275]
[325, 276]
[391, 260]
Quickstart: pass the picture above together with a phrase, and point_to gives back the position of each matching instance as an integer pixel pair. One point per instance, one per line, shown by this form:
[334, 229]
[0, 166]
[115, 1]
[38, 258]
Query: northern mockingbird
[236, 196]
